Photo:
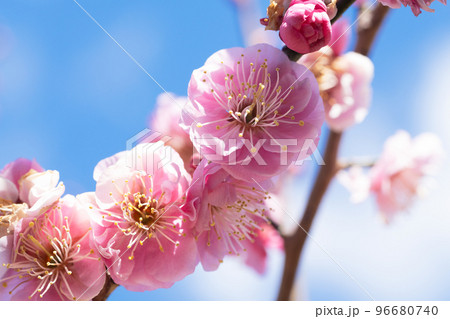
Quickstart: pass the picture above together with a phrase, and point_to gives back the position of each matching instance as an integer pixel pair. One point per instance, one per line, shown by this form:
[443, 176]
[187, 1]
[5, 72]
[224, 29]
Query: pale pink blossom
[344, 81]
[139, 228]
[252, 111]
[26, 190]
[416, 5]
[165, 120]
[396, 178]
[306, 26]
[52, 257]
[231, 218]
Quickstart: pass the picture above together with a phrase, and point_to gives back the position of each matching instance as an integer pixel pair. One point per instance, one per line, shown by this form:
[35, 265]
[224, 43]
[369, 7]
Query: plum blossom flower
[26, 190]
[397, 177]
[344, 80]
[306, 26]
[230, 218]
[52, 257]
[254, 111]
[416, 5]
[165, 120]
[139, 228]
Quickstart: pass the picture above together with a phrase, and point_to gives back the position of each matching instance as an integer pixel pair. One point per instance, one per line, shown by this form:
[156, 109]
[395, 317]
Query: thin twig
[294, 243]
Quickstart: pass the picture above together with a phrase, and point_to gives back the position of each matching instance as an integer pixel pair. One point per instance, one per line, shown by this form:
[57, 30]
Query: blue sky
[69, 97]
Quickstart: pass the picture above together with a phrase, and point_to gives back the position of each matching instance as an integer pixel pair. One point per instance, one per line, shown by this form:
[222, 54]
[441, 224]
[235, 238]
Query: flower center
[240, 220]
[253, 98]
[46, 251]
[141, 209]
[142, 214]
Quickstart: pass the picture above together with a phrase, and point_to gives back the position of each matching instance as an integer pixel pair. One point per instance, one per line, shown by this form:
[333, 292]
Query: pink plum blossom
[139, 228]
[230, 218]
[252, 111]
[306, 26]
[416, 5]
[397, 177]
[52, 257]
[344, 81]
[26, 190]
[165, 120]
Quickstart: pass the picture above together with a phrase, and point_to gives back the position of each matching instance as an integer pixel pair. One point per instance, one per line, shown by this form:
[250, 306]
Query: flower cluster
[203, 188]
[199, 192]
[305, 25]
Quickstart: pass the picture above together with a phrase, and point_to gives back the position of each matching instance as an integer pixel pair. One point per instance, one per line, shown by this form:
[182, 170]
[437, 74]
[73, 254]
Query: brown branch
[107, 290]
[368, 26]
[294, 243]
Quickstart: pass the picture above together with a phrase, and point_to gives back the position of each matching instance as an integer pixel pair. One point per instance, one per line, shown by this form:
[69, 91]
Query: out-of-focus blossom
[416, 5]
[254, 111]
[52, 257]
[340, 37]
[26, 190]
[230, 217]
[344, 80]
[165, 120]
[396, 178]
[356, 181]
[138, 225]
[306, 26]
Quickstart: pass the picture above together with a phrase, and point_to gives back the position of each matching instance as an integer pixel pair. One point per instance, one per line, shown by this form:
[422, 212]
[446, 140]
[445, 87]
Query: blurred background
[69, 97]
